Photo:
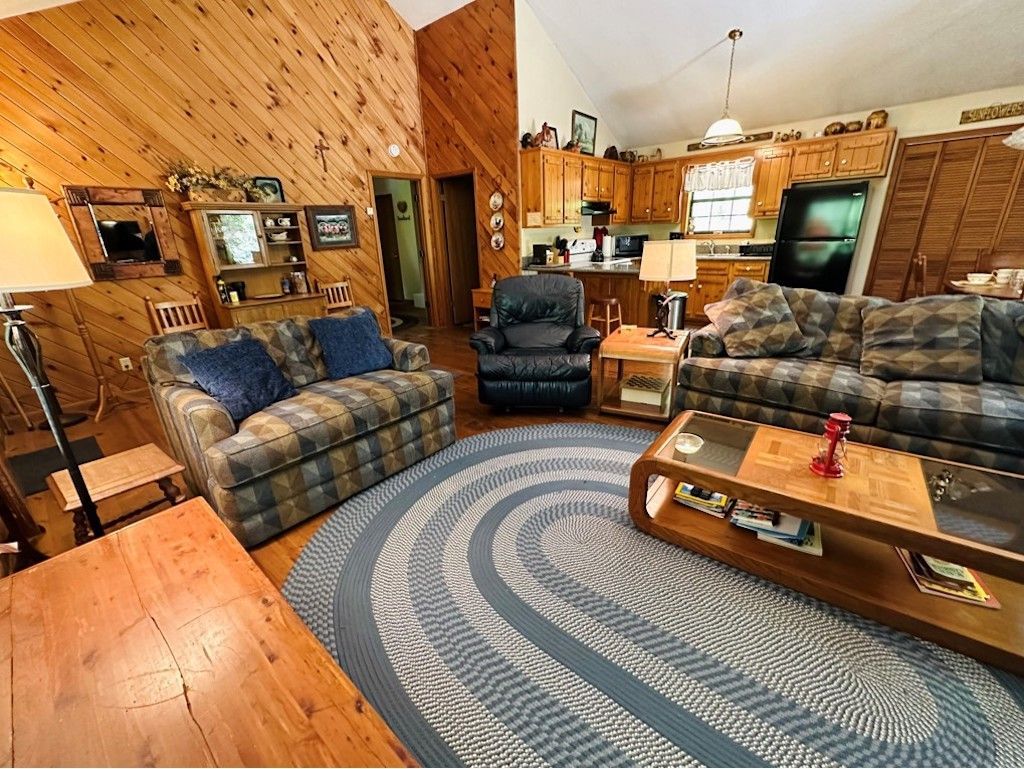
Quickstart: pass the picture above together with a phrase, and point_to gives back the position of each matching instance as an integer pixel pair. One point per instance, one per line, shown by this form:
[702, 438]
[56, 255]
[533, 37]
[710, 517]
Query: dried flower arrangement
[198, 183]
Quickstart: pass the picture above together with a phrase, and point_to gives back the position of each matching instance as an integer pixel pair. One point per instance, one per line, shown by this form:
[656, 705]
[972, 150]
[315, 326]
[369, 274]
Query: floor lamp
[664, 261]
[36, 255]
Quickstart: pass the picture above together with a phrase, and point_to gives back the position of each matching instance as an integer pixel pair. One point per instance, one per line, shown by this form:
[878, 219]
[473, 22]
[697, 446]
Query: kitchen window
[721, 211]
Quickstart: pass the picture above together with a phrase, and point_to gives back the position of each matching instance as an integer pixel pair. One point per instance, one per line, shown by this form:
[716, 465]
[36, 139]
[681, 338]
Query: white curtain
[724, 175]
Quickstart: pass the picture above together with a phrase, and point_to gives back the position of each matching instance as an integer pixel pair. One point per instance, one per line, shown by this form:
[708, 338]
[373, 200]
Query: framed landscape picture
[332, 227]
[584, 131]
[268, 189]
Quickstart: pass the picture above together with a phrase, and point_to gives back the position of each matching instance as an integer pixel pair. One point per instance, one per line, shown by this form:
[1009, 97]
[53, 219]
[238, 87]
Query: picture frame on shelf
[332, 227]
[267, 189]
[584, 131]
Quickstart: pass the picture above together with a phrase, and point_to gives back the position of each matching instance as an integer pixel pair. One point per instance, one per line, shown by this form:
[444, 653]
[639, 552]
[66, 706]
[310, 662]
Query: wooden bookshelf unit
[883, 502]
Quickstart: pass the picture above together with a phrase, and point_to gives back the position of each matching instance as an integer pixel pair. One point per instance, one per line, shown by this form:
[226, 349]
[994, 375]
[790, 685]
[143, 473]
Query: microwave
[630, 245]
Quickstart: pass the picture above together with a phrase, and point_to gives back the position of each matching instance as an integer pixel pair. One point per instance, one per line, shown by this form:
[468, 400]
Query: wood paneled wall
[467, 67]
[107, 92]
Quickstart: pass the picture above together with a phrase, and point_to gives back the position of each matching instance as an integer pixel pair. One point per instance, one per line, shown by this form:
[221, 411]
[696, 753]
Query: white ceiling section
[656, 69]
[18, 7]
[419, 13]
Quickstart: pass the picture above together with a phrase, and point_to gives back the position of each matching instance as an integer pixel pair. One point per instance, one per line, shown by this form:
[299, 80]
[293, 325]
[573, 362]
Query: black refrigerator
[816, 238]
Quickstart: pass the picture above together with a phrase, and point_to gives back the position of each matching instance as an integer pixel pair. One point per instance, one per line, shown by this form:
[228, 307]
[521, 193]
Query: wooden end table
[117, 474]
[634, 344]
[886, 500]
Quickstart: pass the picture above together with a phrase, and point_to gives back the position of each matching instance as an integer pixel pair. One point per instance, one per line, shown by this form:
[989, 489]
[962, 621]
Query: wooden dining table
[990, 290]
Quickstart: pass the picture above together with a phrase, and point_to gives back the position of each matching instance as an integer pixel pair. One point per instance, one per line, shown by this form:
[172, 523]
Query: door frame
[443, 264]
[424, 219]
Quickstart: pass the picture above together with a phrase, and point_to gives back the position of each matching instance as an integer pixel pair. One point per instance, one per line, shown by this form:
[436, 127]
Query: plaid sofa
[305, 454]
[981, 424]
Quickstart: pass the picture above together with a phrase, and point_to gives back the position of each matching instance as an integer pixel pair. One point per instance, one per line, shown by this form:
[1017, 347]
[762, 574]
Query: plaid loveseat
[302, 455]
[976, 423]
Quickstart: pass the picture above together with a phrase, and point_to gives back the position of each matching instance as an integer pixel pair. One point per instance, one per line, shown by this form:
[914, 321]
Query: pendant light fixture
[726, 130]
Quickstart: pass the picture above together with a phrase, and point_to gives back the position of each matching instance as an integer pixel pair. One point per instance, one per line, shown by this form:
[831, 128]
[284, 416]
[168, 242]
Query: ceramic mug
[1003, 275]
[978, 278]
[284, 221]
[268, 222]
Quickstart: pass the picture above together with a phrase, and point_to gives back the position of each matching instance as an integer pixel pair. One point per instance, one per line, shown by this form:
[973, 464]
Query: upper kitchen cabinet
[543, 187]
[771, 177]
[813, 160]
[572, 189]
[621, 193]
[864, 154]
[656, 188]
[592, 180]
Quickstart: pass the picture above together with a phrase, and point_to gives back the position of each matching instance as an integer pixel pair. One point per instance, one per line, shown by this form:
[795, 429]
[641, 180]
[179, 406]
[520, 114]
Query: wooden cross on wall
[321, 149]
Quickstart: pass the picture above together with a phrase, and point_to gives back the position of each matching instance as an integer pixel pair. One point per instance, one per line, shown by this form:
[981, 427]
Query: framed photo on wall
[584, 131]
[332, 227]
[267, 189]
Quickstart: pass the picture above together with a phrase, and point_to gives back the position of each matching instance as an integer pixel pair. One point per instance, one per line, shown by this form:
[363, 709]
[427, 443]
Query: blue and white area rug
[496, 605]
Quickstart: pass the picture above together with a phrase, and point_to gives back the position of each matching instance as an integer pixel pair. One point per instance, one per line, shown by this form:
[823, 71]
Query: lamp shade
[725, 130]
[667, 260]
[35, 251]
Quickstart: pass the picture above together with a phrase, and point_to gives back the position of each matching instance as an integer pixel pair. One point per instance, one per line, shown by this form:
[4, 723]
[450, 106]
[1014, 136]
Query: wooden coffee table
[658, 353]
[885, 500]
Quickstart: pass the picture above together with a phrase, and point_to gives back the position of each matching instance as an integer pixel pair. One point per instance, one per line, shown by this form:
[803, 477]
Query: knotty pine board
[467, 66]
[108, 92]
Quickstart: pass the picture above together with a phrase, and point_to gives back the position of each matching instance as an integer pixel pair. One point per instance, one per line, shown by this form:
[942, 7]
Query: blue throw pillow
[240, 375]
[351, 345]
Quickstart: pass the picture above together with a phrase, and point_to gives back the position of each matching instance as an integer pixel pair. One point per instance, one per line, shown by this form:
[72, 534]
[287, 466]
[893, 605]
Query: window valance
[723, 175]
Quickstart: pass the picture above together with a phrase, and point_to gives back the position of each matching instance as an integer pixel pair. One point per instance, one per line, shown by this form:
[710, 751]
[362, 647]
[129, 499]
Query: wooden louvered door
[957, 199]
[997, 174]
[900, 228]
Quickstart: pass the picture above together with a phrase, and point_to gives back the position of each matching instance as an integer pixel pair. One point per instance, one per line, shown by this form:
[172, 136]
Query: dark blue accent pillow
[240, 375]
[351, 345]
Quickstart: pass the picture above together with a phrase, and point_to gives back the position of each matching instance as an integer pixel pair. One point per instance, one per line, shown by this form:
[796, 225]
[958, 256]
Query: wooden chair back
[920, 267]
[166, 317]
[337, 296]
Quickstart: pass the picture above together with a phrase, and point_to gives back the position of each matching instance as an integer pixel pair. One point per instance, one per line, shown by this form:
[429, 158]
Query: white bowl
[978, 278]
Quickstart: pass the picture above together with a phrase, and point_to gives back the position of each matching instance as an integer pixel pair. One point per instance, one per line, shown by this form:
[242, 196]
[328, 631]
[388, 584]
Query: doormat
[30, 470]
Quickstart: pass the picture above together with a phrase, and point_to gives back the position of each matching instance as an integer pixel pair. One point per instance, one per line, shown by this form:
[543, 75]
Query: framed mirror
[124, 232]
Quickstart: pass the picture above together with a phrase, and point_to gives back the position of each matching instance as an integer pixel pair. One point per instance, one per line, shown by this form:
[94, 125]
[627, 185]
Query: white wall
[914, 119]
[408, 239]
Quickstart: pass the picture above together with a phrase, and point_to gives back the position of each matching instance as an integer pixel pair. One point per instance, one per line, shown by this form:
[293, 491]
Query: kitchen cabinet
[621, 194]
[553, 186]
[607, 185]
[714, 276]
[667, 186]
[813, 160]
[864, 154]
[771, 177]
[572, 189]
[591, 180]
[643, 188]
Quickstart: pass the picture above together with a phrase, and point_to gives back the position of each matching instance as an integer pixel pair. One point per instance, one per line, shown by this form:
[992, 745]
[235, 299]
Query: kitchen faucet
[711, 246]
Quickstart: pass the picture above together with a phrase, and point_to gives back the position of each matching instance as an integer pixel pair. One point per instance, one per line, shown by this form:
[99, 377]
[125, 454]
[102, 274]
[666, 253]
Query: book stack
[934, 576]
[710, 502]
[778, 528]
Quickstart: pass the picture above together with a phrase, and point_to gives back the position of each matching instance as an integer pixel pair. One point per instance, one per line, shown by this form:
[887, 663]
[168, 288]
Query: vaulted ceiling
[419, 13]
[656, 69]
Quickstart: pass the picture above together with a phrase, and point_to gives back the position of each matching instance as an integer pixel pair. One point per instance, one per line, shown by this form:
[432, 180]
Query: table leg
[171, 492]
[600, 380]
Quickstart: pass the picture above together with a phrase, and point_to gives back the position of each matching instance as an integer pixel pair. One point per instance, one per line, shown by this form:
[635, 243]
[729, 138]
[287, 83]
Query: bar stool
[601, 309]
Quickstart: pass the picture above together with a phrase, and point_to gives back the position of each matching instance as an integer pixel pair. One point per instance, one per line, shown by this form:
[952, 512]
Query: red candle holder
[831, 452]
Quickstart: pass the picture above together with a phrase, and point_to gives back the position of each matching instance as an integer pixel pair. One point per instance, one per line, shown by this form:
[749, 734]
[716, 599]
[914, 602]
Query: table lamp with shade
[36, 255]
[664, 261]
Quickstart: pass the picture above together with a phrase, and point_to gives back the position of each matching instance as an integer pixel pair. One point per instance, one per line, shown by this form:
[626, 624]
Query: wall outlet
[126, 363]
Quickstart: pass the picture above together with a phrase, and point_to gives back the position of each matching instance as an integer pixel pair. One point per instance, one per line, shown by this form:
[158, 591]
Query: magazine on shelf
[809, 544]
[753, 516]
[710, 502]
[787, 527]
[972, 591]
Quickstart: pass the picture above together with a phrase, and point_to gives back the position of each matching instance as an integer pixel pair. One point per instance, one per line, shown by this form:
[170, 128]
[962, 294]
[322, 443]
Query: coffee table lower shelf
[862, 575]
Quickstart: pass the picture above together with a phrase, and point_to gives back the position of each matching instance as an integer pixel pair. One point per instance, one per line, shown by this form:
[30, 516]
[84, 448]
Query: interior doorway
[399, 222]
[458, 228]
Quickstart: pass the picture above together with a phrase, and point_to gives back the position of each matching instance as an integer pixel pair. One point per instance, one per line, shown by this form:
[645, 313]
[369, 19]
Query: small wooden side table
[634, 344]
[117, 474]
[481, 307]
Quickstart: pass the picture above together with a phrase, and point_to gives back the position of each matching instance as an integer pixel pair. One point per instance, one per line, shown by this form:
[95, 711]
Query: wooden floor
[127, 427]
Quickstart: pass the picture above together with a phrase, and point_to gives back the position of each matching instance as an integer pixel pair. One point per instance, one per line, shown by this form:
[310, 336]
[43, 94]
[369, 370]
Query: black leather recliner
[536, 352]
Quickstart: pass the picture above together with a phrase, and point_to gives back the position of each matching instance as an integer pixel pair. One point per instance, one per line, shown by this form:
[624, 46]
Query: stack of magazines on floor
[937, 577]
[778, 528]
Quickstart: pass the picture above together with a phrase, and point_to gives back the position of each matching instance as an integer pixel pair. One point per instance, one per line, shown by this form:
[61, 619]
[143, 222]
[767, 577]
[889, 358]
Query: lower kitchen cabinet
[714, 276]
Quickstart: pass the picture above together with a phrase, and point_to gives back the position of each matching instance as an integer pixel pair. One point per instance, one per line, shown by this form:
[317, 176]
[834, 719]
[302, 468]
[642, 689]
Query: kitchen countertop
[632, 266]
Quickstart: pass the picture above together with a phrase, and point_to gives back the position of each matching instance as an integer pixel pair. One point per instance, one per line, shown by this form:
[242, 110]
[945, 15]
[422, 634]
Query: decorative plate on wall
[497, 241]
[497, 221]
[497, 201]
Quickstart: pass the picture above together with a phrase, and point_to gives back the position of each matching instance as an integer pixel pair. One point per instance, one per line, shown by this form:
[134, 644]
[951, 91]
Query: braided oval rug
[496, 605]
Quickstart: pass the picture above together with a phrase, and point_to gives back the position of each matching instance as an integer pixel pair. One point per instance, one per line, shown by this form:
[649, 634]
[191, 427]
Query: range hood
[596, 208]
